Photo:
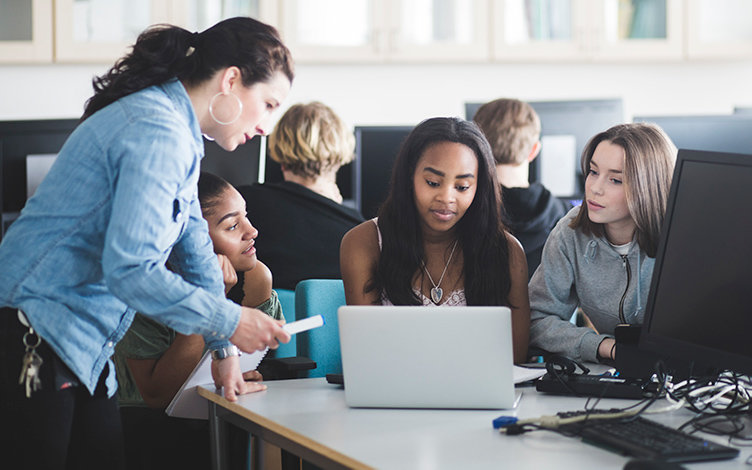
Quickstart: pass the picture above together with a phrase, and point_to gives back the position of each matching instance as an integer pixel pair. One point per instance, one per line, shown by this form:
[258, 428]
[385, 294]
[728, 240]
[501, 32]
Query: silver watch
[227, 351]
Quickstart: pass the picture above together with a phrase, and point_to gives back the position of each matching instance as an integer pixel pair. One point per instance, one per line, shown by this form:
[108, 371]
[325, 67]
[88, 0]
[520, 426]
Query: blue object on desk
[504, 421]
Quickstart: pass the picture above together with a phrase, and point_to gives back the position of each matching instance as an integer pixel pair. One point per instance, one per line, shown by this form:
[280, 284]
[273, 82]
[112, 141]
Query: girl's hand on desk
[227, 376]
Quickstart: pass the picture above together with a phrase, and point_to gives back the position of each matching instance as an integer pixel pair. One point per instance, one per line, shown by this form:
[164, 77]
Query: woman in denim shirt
[90, 247]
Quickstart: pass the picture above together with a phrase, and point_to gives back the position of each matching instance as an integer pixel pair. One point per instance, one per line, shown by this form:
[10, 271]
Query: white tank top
[453, 299]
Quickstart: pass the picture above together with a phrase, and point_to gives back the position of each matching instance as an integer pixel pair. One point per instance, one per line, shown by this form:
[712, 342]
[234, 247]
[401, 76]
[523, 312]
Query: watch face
[222, 353]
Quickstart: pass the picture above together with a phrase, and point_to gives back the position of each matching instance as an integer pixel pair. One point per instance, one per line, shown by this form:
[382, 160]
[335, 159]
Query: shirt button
[110, 344]
[222, 336]
[214, 333]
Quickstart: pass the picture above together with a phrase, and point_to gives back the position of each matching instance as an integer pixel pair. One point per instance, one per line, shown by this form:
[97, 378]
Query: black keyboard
[643, 438]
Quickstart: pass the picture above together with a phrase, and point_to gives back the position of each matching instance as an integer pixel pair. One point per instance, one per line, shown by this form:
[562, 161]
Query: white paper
[558, 164]
[187, 403]
[304, 324]
[523, 374]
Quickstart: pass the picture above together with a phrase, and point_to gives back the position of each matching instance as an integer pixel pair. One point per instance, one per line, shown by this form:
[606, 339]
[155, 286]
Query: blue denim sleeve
[155, 171]
[194, 259]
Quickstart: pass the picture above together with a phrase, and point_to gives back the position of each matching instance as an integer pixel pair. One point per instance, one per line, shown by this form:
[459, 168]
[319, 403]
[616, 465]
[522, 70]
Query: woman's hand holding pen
[256, 331]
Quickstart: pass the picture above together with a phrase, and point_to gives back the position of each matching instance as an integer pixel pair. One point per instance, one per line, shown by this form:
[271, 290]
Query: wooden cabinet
[353, 31]
[404, 31]
[198, 15]
[719, 29]
[25, 31]
[588, 30]
[103, 30]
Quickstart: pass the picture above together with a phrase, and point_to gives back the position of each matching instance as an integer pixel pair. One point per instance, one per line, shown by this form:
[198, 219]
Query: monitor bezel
[703, 356]
[31, 136]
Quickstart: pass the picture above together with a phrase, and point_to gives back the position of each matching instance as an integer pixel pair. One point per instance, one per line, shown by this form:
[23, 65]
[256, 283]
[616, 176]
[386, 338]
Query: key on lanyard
[31, 360]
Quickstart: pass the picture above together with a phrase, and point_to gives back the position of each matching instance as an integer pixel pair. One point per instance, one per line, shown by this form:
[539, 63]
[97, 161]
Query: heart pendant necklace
[437, 292]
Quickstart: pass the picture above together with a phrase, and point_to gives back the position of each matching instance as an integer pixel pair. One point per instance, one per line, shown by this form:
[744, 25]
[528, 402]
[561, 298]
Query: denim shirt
[89, 248]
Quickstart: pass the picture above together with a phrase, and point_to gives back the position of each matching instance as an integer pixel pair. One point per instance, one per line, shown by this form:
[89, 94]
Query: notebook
[427, 357]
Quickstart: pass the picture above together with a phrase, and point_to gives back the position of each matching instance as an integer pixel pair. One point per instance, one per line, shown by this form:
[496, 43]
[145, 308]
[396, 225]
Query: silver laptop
[427, 357]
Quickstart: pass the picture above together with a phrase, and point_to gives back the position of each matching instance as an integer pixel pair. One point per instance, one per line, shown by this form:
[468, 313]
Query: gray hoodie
[584, 271]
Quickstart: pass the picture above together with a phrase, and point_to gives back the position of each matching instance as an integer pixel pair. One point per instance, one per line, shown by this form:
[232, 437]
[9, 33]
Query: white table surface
[313, 413]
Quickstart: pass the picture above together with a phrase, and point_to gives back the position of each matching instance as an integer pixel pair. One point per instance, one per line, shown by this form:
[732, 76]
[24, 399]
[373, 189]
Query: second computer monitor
[722, 133]
[376, 149]
[20, 140]
[699, 302]
[239, 167]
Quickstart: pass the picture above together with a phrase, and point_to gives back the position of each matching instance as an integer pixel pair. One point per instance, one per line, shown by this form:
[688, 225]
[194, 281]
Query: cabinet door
[103, 30]
[198, 15]
[25, 31]
[438, 30]
[386, 30]
[532, 30]
[637, 29]
[334, 30]
[719, 29]
[588, 29]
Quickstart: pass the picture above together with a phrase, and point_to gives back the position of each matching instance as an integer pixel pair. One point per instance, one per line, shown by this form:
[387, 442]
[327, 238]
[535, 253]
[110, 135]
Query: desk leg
[218, 430]
[290, 461]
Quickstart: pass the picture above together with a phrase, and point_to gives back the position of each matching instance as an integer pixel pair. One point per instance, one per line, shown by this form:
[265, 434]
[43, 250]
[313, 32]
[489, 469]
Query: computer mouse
[646, 464]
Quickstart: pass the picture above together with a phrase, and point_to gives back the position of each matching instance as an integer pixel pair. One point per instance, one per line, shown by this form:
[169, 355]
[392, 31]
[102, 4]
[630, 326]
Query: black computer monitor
[19, 140]
[700, 301]
[721, 133]
[239, 167]
[376, 149]
[346, 179]
[566, 127]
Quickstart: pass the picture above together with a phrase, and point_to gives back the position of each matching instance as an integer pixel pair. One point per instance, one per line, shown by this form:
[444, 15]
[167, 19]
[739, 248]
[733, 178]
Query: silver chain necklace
[437, 292]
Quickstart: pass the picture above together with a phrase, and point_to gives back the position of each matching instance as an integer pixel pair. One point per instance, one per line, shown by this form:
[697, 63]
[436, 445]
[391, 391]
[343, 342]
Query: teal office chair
[320, 297]
[284, 362]
[287, 300]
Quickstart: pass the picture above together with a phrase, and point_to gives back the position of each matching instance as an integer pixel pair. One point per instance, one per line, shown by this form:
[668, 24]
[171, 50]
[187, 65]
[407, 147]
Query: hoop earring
[211, 108]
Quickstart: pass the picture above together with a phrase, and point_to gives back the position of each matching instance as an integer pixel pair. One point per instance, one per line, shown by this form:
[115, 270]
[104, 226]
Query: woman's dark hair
[164, 51]
[210, 190]
[480, 231]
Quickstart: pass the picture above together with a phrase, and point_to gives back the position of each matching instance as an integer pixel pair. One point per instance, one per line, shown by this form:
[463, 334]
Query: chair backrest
[320, 297]
[287, 300]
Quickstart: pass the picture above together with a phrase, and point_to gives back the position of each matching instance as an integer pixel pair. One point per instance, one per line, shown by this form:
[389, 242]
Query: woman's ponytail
[163, 52]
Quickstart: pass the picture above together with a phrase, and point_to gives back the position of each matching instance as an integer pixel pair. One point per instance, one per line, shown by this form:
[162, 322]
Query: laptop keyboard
[644, 438]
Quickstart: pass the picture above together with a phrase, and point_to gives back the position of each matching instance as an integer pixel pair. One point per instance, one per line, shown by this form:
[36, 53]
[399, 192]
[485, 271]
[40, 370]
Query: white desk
[309, 418]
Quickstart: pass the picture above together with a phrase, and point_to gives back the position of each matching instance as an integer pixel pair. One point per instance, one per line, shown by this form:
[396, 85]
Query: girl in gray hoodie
[600, 256]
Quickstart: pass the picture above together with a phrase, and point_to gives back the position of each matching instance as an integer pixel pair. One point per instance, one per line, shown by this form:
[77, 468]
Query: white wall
[406, 94]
